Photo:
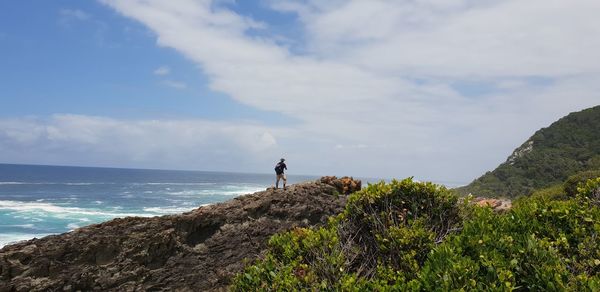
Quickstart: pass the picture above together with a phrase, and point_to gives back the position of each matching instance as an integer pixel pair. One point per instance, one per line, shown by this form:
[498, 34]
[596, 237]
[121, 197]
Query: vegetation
[416, 236]
[574, 181]
[413, 236]
[568, 146]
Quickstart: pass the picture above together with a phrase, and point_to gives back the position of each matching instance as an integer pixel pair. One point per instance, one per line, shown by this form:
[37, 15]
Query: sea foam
[24, 207]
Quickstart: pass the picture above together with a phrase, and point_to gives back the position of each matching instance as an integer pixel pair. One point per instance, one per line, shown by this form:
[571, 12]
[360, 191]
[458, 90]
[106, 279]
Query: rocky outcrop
[346, 185]
[195, 251]
[498, 205]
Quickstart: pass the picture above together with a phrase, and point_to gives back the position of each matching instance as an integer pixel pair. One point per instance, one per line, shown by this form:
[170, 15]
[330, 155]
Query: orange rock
[495, 204]
[345, 185]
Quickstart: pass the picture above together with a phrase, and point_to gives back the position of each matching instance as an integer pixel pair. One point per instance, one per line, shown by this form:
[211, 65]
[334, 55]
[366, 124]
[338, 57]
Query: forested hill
[570, 145]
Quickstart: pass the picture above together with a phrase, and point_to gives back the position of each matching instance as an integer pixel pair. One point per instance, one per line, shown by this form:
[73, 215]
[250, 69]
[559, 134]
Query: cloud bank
[176, 144]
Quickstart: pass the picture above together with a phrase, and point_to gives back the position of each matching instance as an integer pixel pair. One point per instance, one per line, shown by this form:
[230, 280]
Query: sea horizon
[41, 200]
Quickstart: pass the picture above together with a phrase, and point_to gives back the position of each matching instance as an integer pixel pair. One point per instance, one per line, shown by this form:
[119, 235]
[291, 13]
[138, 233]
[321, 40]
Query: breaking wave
[37, 207]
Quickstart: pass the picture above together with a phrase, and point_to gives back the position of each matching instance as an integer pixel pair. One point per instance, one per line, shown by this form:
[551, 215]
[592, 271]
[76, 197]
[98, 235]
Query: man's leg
[284, 181]
[277, 182]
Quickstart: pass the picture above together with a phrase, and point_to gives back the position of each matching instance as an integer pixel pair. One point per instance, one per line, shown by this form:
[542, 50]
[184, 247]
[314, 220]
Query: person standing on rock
[279, 171]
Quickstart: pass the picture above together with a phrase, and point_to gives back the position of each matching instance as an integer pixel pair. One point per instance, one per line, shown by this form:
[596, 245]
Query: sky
[438, 90]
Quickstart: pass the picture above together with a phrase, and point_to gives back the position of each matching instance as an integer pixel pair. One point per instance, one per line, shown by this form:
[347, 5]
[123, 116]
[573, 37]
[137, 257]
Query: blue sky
[439, 90]
[83, 57]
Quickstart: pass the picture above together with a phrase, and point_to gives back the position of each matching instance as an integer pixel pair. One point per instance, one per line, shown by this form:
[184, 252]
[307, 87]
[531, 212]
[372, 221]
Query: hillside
[196, 251]
[568, 146]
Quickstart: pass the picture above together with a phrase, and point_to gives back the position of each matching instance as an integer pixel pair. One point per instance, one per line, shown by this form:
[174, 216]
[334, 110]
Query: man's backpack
[279, 168]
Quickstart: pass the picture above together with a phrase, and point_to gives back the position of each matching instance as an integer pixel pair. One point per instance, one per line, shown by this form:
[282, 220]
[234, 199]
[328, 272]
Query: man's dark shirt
[280, 167]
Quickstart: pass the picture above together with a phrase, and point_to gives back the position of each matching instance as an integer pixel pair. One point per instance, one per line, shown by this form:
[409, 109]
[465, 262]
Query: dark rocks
[195, 251]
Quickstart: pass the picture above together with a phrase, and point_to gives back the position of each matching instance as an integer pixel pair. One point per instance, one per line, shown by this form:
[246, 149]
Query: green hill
[570, 145]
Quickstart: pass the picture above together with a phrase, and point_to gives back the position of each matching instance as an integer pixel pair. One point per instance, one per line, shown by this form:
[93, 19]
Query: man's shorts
[281, 176]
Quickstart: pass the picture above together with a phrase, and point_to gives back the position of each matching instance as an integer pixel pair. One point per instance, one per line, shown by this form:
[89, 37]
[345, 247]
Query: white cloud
[89, 140]
[458, 38]
[175, 84]
[76, 14]
[382, 74]
[162, 71]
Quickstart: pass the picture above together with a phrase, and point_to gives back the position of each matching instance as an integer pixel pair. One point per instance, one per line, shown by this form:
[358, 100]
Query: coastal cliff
[199, 250]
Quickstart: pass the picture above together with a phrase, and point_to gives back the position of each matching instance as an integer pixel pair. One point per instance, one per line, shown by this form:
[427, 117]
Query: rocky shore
[195, 251]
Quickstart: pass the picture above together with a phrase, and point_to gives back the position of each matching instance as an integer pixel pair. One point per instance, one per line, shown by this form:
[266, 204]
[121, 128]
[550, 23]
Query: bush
[555, 192]
[590, 190]
[397, 224]
[571, 184]
[382, 238]
[411, 236]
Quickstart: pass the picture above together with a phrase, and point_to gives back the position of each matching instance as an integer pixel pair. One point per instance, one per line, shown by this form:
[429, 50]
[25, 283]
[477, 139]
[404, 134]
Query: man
[279, 171]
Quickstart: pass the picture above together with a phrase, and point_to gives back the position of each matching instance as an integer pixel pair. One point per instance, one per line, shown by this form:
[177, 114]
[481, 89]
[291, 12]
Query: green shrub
[401, 202]
[555, 192]
[572, 183]
[591, 190]
[411, 236]
[397, 224]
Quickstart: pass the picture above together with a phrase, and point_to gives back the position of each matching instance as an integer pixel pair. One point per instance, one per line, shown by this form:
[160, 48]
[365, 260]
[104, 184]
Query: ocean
[36, 201]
